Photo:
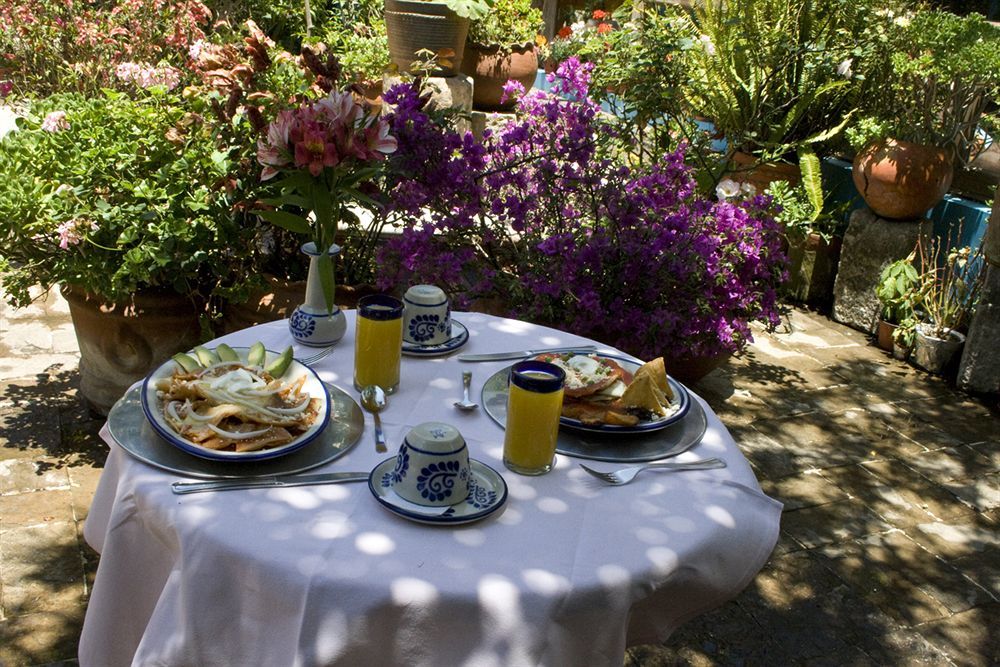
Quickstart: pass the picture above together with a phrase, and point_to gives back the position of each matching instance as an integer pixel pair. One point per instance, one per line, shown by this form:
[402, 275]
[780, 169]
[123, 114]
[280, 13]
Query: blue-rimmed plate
[153, 409]
[487, 494]
[459, 337]
[495, 401]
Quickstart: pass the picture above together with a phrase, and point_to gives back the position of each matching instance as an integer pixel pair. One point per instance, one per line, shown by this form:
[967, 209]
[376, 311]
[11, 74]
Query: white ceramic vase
[312, 323]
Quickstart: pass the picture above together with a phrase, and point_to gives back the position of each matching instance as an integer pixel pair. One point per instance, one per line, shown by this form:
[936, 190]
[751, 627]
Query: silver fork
[626, 475]
[313, 358]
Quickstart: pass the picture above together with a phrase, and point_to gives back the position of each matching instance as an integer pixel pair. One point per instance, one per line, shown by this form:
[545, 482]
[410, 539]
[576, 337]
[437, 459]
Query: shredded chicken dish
[233, 407]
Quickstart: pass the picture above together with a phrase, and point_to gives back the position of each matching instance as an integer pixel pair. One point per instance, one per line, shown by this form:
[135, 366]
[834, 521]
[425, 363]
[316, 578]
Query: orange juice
[534, 403]
[378, 343]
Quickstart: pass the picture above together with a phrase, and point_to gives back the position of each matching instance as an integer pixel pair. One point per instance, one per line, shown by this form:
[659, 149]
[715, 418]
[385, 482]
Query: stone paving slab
[888, 552]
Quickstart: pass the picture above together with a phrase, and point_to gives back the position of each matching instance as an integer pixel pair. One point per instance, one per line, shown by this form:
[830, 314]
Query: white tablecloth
[570, 572]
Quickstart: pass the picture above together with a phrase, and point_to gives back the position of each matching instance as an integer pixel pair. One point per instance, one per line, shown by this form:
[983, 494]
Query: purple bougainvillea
[546, 215]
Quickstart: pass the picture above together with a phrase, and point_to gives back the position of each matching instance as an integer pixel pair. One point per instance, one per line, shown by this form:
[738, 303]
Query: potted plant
[772, 76]
[358, 38]
[117, 200]
[949, 284]
[896, 290]
[500, 47]
[813, 232]
[577, 237]
[944, 71]
[438, 26]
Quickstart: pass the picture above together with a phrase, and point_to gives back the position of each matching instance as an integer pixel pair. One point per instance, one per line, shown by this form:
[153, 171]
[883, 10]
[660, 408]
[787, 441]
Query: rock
[446, 92]
[979, 371]
[870, 244]
[489, 120]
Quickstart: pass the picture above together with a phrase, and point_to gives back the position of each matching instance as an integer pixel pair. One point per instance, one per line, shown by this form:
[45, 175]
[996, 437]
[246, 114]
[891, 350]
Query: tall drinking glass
[534, 403]
[378, 342]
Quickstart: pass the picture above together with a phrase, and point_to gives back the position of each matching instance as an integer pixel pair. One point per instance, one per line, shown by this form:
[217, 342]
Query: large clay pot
[491, 67]
[275, 301]
[689, 368]
[412, 25]
[120, 343]
[900, 180]
[748, 169]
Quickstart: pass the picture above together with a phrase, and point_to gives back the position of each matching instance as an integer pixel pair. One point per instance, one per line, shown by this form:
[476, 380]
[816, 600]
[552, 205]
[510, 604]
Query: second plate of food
[594, 383]
[241, 404]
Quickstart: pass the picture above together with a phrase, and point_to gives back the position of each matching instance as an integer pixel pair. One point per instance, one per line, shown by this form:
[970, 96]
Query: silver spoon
[466, 403]
[374, 401]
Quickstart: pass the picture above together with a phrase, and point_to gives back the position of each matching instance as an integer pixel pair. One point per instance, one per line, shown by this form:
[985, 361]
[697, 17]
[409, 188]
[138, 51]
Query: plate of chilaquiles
[242, 404]
[609, 394]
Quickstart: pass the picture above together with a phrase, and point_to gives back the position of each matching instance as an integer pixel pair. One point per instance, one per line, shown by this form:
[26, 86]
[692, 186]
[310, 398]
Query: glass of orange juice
[534, 403]
[378, 342]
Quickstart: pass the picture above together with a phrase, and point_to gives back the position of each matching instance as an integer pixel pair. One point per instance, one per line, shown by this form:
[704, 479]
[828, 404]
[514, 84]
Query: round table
[569, 572]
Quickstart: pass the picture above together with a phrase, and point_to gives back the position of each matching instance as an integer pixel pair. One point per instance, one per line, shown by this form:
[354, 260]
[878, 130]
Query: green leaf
[812, 180]
[289, 221]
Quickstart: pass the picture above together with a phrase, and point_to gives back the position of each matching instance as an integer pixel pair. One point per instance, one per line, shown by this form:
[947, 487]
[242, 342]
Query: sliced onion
[194, 416]
[263, 392]
[171, 411]
[293, 410]
[234, 435]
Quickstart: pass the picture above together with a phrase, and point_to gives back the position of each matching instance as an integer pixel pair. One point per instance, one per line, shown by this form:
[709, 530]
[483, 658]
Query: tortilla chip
[656, 370]
[644, 393]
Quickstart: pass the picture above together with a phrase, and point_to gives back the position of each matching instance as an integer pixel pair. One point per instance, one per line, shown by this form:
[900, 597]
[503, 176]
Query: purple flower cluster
[545, 215]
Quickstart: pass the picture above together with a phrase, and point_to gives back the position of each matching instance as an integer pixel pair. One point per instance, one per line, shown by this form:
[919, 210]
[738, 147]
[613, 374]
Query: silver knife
[499, 356]
[274, 481]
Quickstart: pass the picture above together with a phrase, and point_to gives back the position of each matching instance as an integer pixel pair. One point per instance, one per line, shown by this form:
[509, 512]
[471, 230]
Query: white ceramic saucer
[459, 337]
[487, 494]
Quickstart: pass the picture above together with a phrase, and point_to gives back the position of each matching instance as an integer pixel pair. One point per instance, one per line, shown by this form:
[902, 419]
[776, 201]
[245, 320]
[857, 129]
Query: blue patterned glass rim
[380, 307]
[523, 374]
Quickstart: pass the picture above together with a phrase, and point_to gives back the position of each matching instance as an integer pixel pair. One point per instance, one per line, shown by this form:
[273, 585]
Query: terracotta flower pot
[412, 25]
[747, 170]
[689, 368]
[491, 67]
[900, 180]
[120, 343]
[884, 334]
[276, 301]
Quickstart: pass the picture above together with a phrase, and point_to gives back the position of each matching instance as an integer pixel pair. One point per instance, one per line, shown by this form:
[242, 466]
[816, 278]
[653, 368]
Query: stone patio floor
[889, 550]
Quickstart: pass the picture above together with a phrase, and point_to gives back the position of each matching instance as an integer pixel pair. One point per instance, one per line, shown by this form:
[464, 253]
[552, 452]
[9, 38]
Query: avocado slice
[188, 363]
[226, 353]
[280, 364]
[206, 357]
[257, 354]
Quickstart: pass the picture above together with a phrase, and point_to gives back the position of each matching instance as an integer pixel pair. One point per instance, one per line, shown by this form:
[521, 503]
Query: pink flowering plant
[113, 195]
[85, 45]
[327, 153]
[546, 216]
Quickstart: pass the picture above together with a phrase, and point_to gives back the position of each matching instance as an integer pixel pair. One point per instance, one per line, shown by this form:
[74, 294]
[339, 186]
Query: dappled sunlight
[470, 537]
[411, 591]
[720, 516]
[552, 505]
[664, 559]
[546, 583]
[374, 544]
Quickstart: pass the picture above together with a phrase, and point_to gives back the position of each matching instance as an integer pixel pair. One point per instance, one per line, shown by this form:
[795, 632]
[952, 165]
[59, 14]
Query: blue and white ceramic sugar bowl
[432, 466]
[426, 315]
